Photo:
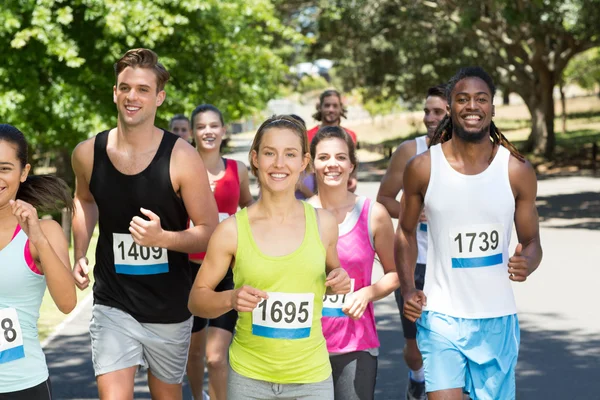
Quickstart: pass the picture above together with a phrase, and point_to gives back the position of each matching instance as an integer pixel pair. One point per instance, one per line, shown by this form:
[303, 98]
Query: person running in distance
[230, 185]
[330, 110]
[142, 184]
[473, 184]
[34, 256]
[365, 229]
[435, 110]
[284, 259]
[180, 125]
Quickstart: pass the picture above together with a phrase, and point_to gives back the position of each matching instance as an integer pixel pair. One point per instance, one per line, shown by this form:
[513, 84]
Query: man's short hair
[437, 91]
[143, 58]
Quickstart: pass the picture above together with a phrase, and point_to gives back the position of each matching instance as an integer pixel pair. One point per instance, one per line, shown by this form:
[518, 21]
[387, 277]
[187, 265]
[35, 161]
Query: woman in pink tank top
[365, 229]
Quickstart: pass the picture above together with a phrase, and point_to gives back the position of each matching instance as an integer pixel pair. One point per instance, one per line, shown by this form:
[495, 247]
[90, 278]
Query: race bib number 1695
[284, 316]
[11, 338]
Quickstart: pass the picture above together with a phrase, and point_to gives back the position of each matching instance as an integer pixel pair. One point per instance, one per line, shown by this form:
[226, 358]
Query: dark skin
[471, 108]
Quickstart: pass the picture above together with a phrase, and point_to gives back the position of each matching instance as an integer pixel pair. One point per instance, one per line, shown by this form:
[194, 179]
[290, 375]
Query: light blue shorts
[478, 355]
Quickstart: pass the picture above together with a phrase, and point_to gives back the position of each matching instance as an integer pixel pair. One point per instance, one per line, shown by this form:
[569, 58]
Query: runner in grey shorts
[125, 342]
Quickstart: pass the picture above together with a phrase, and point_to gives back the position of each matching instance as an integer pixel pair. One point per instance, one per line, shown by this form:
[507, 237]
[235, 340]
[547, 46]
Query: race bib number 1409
[284, 316]
[11, 338]
[133, 259]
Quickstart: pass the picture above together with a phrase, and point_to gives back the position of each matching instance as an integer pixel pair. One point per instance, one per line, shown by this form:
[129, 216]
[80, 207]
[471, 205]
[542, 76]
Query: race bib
[477, 246]
[11, 338]
[333, 303]
[284, 316]
[133, 259]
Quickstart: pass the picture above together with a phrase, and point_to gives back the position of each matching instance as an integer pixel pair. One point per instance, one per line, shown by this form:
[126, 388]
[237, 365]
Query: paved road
[560, 325]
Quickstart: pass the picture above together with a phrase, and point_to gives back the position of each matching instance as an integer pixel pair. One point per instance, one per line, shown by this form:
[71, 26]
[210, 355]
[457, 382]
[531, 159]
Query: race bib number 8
[477, 246]
[284, 316]
[133, 259]
[11, 338]
[333, 303]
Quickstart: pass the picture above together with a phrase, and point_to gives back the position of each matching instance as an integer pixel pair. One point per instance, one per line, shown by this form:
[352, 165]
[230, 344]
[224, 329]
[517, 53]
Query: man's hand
[414, 301]
[518, 267]
[80, 273]
[147, 233]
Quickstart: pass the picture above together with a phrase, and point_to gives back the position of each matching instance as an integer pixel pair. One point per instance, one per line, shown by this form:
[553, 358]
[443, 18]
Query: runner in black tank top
[150, 291]
[142, 184]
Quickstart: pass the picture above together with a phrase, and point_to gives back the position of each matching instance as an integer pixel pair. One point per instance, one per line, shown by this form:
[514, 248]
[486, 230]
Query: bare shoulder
[83, 155]
[225, 234]
[420, 163]
[522, 176]
[326, 219]
[379, 213]
[242, 168]
[50, 227]
[183, 149]
[404, 152]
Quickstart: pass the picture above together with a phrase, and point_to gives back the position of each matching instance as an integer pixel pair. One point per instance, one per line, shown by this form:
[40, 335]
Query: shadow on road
[585, 205]
[552, 364]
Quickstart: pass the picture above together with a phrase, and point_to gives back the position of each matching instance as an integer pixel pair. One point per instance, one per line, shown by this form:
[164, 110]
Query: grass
[50, 316]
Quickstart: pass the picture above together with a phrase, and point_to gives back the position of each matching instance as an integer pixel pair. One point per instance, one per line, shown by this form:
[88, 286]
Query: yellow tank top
[281, 341]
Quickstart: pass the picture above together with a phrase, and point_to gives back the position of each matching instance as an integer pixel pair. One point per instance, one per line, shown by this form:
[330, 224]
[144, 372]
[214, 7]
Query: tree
[584, 70]
[56, 73]
[406, 46]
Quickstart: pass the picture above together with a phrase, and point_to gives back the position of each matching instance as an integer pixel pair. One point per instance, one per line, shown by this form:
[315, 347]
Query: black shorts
[410, 328]
[43, 391]
[226, 321]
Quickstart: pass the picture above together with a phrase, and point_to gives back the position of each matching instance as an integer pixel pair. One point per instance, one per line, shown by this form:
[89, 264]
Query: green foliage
[584, 70]
[56, 74]
[310, 83]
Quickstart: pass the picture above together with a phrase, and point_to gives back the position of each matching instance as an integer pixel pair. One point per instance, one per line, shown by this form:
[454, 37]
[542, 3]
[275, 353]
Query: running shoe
[415, 390]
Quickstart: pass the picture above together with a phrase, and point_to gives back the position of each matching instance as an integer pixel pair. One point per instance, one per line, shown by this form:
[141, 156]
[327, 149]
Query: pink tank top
[356, 254]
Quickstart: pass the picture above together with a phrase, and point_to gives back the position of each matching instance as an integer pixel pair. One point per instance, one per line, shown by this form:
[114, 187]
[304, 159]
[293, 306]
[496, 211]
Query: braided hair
[443, 132]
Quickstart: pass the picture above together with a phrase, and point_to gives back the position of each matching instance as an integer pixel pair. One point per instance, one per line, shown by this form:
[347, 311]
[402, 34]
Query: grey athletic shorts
[240, 387]
[119, 342]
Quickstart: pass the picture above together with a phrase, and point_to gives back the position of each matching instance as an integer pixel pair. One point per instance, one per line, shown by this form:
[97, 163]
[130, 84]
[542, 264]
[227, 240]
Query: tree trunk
[540, 103]
[505, 97]
[563, 105]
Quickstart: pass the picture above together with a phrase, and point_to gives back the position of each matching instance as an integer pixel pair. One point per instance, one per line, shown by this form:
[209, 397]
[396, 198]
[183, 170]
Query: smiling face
[331, 110]
[11, 173]
[332, 162]
[136, 96]
[435, 110]
[471, 109]
[208, 131]
[279, 160]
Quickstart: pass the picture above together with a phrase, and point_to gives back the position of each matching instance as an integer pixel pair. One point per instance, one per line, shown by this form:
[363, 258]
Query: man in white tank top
[473, 183]
[435, 110]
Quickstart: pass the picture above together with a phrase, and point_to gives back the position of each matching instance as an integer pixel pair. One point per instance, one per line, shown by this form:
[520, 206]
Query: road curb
[72, 316]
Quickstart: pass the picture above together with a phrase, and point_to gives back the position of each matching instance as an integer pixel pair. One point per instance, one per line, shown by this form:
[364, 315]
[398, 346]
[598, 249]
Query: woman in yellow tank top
[284, 259]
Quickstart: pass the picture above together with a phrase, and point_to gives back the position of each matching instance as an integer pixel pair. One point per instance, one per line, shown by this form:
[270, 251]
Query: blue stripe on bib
[477, 262]
[280, 333]
[151, 269]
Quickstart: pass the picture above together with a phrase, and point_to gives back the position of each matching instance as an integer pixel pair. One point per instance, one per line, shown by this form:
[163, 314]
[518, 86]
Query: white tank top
[470, 220]
[422, 228]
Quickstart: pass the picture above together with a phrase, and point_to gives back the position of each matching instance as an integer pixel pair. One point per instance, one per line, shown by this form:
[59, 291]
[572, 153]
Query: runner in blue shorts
[473, 183]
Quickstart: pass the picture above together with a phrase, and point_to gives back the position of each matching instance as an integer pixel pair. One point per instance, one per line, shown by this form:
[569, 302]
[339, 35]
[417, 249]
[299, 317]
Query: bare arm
[52, 258]
[392, 182]
[85, 215]
[338, 281]
[383, 239]
[191, 180]
[204, 300]
[416, 178]
[524, 183]
[246, 198]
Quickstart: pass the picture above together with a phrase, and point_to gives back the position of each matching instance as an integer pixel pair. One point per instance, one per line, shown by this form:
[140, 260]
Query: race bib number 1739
[284, 316]
[477, 246]
[11, 338]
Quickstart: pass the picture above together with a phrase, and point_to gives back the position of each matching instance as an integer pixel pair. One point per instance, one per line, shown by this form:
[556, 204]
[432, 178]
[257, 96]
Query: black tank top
[150, 284]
